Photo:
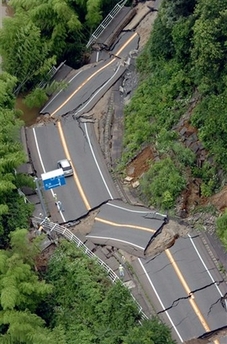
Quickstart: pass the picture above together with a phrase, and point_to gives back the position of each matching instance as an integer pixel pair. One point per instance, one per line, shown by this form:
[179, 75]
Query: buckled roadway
[183, 278]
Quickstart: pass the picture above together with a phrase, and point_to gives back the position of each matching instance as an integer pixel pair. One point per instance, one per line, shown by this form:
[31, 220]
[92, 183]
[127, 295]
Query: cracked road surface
[89, 85]
[200, 287]
[85, 190]
[127, 227]
[183, 285]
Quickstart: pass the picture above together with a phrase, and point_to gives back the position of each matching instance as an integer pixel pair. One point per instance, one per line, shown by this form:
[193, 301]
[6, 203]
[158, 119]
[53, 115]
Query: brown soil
[86, 224]
[170, 233]
[214, 336]
[99, 111]
[219, 200]
[42, 260]
[145, 26]
[189, 199]
[140, 164]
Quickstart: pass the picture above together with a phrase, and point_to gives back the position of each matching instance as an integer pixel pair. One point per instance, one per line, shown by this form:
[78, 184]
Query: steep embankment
[178, 113]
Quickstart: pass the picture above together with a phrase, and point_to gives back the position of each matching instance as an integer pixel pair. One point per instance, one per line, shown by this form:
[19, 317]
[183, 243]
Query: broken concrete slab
[90, 245]
[112, 263]
[100, 254]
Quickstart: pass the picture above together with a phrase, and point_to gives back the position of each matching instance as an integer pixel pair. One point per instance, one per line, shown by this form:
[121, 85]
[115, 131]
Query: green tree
[222, 228]
[39, 95]
[150, 332]
[21, 45]
[21, 292]
[179, 8]
[13, 211]
[162, 183]
[20, 287]
[65, 26]
[7, 85]
[88, 306]
[210, 118]
[93, 16]
[182, 35]
[209, 48]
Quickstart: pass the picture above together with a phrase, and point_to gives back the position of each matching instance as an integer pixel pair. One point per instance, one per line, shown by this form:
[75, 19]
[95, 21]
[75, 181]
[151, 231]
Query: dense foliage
[21, 294]
[184, 62]
[221, 228]
[14, 212]
[79, 304]
[163, 190]
[90, 309]
[43, 33]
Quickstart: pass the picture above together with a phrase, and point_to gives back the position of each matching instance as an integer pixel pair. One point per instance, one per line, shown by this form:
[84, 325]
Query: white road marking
[130, 210]
[95, 94]
[38, 150]
[135, 211]
[75, 76]
[97, 56]
[59, 92]
[114, 239]
[96, 162]
[160, 301]
[43, 167]
[211, 277]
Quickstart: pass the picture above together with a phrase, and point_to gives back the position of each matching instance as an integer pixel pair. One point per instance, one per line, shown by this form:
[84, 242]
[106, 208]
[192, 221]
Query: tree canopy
[90, 309]
[25, 54]
[45, 32]
[184, 62]
[21, 293]
[72, 302]
[14, 213]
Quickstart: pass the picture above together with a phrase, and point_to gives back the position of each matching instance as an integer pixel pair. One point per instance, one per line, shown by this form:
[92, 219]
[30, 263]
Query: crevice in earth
[153, 258]
[79, 108]
[72, 112]
[209, 337]
[85, 215]
[182, 320]
[165, 266]
[80, 121]
[176, 302]
[222, 300]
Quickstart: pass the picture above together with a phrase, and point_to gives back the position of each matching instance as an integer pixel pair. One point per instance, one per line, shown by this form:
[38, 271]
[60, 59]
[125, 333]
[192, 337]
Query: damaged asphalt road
[175, 302]
[200, 291]
[89, 85]
[177, 271]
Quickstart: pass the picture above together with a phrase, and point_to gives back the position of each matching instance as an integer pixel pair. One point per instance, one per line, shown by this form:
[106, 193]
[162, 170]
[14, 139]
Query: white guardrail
[47, 226]
[106, 22]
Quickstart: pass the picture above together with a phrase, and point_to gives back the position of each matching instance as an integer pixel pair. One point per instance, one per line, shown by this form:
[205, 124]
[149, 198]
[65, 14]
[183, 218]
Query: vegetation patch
[185, 56]
[90, 309]
[76, 304]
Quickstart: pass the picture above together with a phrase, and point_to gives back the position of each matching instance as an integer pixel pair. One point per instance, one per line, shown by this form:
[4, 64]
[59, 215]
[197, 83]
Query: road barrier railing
[49, 227]
[52, 72]
[106, 22]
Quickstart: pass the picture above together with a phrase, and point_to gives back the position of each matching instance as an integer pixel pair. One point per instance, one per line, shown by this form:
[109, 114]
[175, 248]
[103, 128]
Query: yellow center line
[88, 207]
[188, 291]
[176, 268]
[76, 178]
[124, 225]
[92, 75]
[59, 126]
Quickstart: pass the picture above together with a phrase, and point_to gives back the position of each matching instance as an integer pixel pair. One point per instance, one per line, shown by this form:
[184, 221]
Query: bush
[162, 184]
[222, 228]
[90, 309]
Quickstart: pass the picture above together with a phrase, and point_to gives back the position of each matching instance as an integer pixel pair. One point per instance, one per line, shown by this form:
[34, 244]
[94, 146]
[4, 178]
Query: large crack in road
[176, 302]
